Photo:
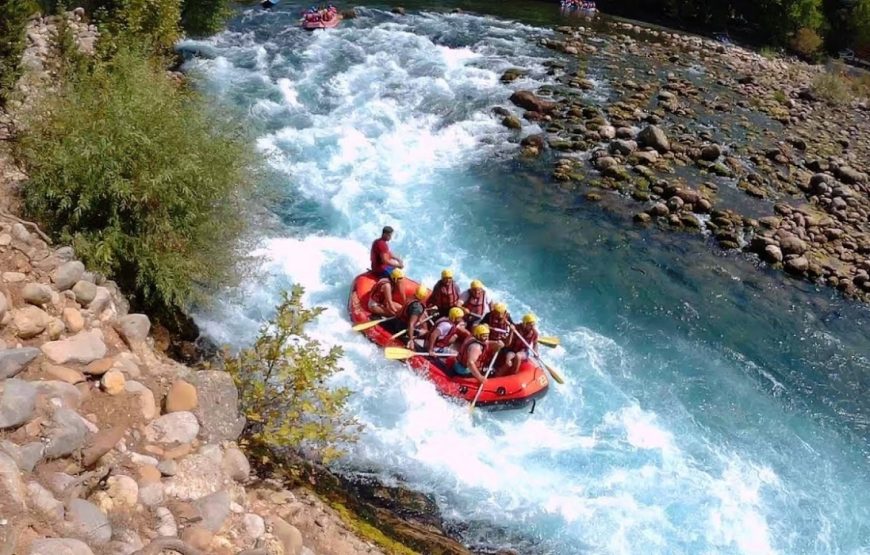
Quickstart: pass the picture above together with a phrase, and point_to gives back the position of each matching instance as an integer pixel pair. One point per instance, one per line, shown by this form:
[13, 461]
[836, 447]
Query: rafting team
[437, 321]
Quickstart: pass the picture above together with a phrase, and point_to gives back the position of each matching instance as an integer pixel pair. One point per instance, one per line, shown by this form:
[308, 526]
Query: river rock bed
[700, 136]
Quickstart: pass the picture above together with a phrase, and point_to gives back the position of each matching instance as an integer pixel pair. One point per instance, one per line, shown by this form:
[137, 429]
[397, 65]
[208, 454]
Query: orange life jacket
[494, 322]
[476, 305]
[531, 336]
[441, 342]
[465, 347]
[444, 297]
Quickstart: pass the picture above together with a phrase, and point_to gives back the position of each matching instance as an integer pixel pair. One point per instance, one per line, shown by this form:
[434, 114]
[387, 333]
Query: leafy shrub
[143, 178]
[780, 97]
[204, 17]
[806, 42]
[152, 24]
[282, 387]
[13, 23]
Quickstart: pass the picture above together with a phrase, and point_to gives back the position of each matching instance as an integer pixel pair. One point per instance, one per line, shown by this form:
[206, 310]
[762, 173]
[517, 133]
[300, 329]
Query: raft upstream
[516, 391]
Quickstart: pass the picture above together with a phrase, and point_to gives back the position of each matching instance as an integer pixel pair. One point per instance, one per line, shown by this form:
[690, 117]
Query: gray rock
[36, 293]
[133, 328]
[11, 487]
[43, 501]
[168, 467]
[20, 232]
[85, 291]
[166, 525]
[254, 526]
[236, 465]
[797, 265]
[89, 522]
[849, 175]
[658, 209]
[214, 510]
[31, 455]
[59, 546]
[66, 275]
[623, 146]
[152, 494]
[67, 434]
[101, 301]
[655, 137]
[66, 254]
[17, 402]
[218, 406]
[84, 347]
[69, 394]
[792, 244]
[512, 122]
[711, 153]
[180, 427]
[772, 254]
[13, 361]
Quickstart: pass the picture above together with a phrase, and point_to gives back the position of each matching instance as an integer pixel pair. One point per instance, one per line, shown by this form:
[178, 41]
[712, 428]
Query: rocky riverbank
[695, 135]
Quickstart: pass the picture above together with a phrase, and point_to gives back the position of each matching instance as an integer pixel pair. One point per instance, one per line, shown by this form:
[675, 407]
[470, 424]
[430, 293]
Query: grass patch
[365, 530]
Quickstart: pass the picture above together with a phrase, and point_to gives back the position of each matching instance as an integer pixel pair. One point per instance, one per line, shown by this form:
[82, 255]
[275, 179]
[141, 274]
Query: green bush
[13, 23]
[152, 24]
[143, 178]
[282, 387]
[806, 42]
[204, 17]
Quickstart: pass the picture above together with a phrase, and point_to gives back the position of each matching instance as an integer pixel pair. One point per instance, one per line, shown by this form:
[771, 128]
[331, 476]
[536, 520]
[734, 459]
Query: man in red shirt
[383, 260]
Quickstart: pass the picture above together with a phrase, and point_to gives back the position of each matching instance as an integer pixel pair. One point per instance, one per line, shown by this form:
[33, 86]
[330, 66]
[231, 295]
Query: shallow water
[710, 407]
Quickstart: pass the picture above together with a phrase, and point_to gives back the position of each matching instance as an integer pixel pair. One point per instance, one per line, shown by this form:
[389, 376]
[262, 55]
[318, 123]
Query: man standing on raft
[383, 260]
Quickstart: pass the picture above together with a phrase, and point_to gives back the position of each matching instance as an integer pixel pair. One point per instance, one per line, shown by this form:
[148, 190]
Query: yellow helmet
[397, 273]
[501, 308]
[456, 313]
[476, 284]
[446, 273]
[530, 318]
[481, 330]
[422, 292]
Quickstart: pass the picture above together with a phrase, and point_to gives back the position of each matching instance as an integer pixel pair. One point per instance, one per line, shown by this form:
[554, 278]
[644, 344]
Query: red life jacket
[378, 291]
[441, 342]
[494, 322]
[476, 305]
[531, 336]
[404, 315]
[444, 297]
[464, 348]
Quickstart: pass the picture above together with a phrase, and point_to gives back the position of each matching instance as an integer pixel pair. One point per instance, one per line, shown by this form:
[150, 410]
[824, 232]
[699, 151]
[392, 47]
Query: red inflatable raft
[321, 21]
[516, 391]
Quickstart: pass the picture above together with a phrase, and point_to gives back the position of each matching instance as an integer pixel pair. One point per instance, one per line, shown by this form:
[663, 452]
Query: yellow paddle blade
[549, 341]
[398, 353]
[554, 373]
[368, 325]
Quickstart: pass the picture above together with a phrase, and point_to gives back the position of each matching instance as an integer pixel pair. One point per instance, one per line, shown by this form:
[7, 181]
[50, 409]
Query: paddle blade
[398, 353]
[549, 341]
[368, 325]
[554, 373]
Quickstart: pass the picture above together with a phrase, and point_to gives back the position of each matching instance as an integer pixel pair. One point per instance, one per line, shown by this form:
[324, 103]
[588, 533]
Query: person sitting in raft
[388, 295]
[413, 316]
[475, 353]
[446, 330]
[445, 294]
[475, 301]
[499, 321]
[383, 260]
[518, 351]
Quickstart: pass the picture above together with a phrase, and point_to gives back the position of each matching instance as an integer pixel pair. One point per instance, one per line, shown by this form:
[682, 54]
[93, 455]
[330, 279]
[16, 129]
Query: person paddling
[519, 351]
[382, 259]
[413, 315]
[475, 301]
[475, 352]
[446, 330]
[445, 294]
[388, 295]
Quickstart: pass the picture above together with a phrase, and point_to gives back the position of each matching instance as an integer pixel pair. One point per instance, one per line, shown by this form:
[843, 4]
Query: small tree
[13, 22]
[806, 42]
[282, 387]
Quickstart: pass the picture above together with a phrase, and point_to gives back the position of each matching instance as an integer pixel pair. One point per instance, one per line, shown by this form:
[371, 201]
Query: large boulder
[180, 427]
[66, 275]
[59, 546]
[532, 102]
[655, 137]
[36, 294]
[30, 321]
[11, 487]
[133, 328]
[13, 361]
[217, 410]
[198, 475]
[89, 522]
[85, 292]
[67, 434]
[17, 402]
[84, 347]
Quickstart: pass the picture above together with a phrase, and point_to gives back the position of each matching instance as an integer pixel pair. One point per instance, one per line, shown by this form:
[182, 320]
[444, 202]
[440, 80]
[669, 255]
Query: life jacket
[378, 291]
[444, 297]
[531, 336]
[476, 305]
[462, 357]
[501, 323]
[441, 342]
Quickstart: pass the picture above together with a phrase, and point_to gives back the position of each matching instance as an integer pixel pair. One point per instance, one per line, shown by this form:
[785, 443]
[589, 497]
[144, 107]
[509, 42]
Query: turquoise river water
[709, 407]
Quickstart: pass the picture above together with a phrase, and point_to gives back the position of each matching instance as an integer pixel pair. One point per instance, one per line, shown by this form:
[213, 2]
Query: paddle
[548, 341]
[399, 353]
[553, 372]
[370, 324]
[404, 331]
[485, 377]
